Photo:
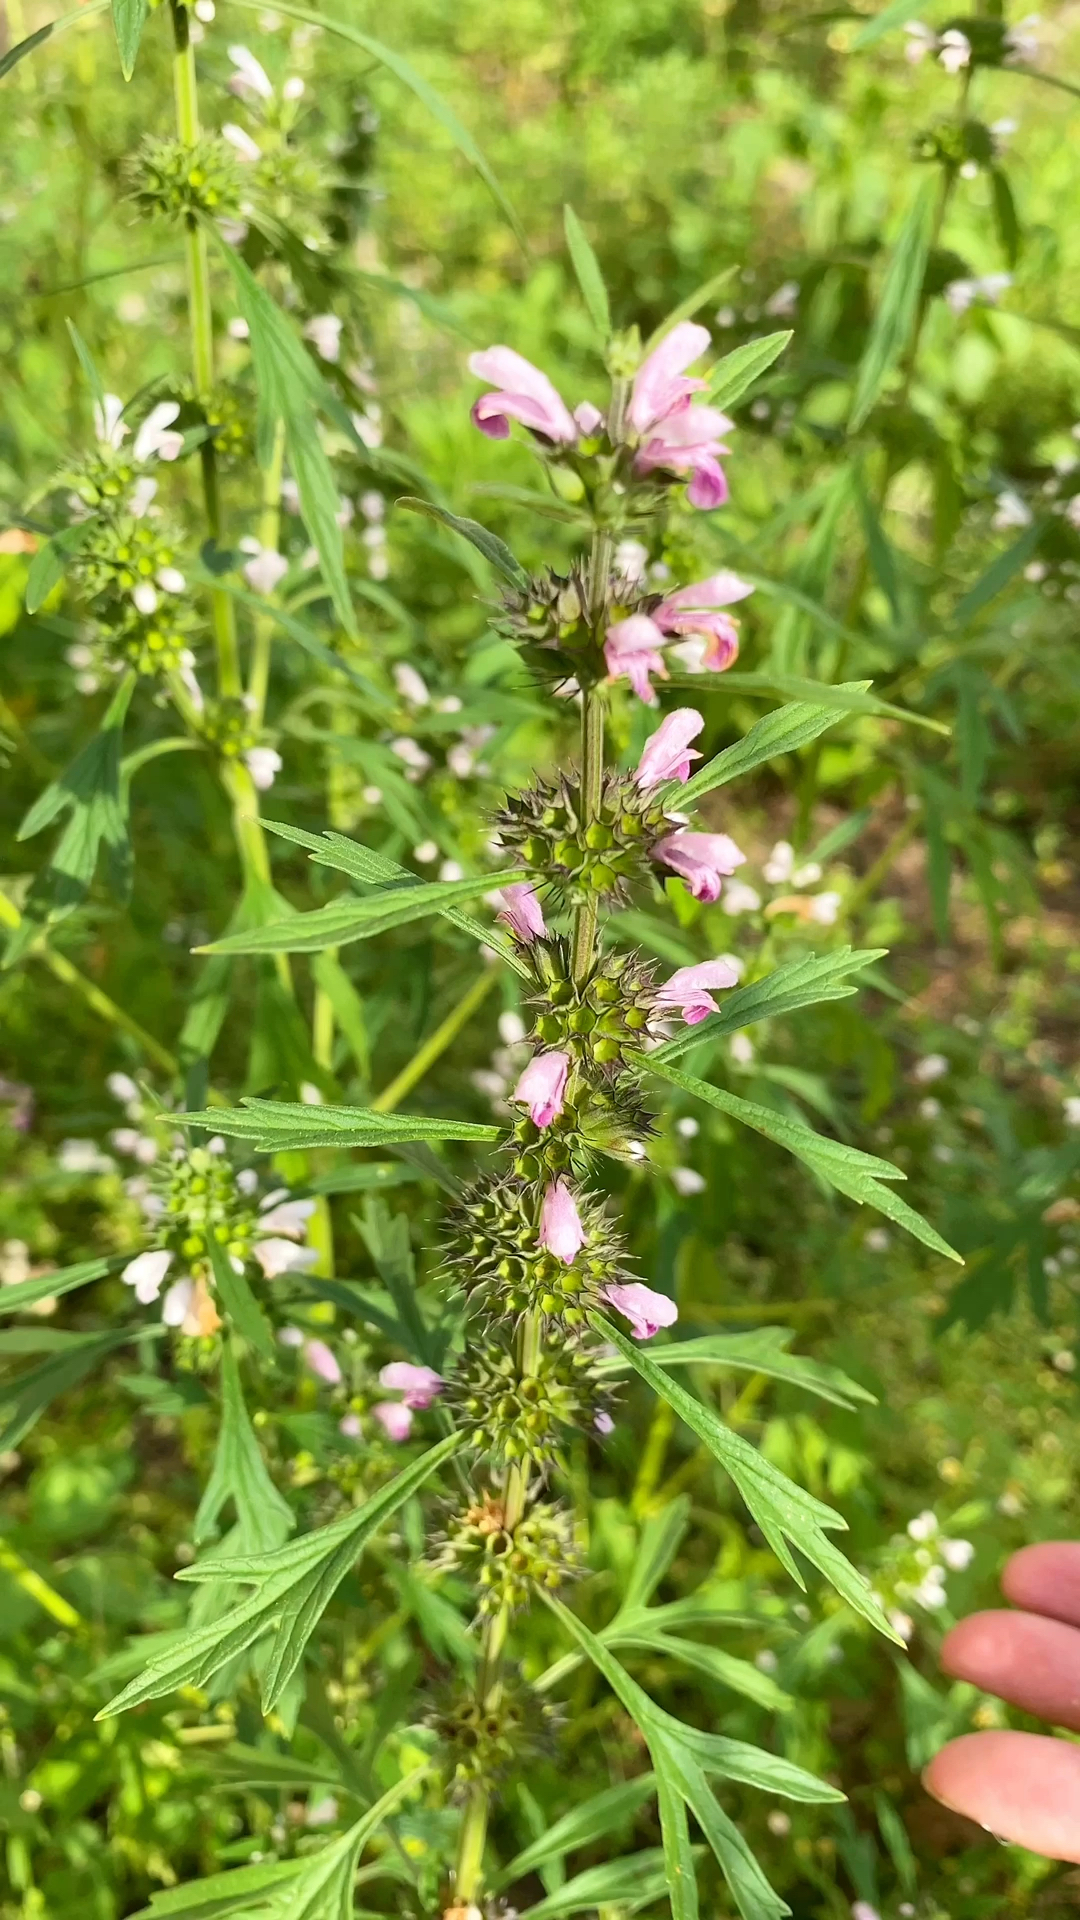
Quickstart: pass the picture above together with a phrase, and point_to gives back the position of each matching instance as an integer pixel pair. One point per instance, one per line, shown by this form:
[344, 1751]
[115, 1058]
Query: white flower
[155, 437]
[957, 1554]
[242, 143]
[451, 870]
[1012, 511]
[146, 1272]
[234, 231]
[921, 40]
[929, 1109]
[177, 1302]
[310, 1094]
[924, 1526]
[83, 1156]
[122, 1086]
[688, 1128]
[631, 559]
[955, 51]
[324, 332]
[901, 1623]
[265, 569]
[109, 427]
[289, 1217]
[878, 1240]
[784, 301]
[411, 685]
[250, 76]
[145, 597]
[205, 11]
[138, 1145]
[1072, 511]
[293, 88]
[687, 1181]
[780, 863]
[425, 853]
[1071, 1109]
[778, 1823]
[238, 329]
[412, 753]
[741, 1049]
[141, 496]
[372, 505]
[824, 908]
[276, 1256]
[1021, 41]
[962, 294]
[931, 1067]
[247, 1180]
[862, 1910]
[737, 898]
[930, 1593]
[263, 764]
[511, 1028]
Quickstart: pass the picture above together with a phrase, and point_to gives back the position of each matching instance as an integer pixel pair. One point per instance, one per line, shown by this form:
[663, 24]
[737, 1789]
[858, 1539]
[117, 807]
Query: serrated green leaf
[242, 1310]
[254, 1767]
[798, 983]
[742, 1676]
[783, 1511]
[860, 1176]
[264, 1516]
[495, 551]
[737, 371]
[895, 316]
[589, 277]
[27, 1293]
[847, 699]
[777, 733]
[293, 1587]
[581, 1826]
[633, 1882]
[349, 918]
[129, 19]
[276, 1126]
[754, 1897]
[763, 1351]
[241, 1890]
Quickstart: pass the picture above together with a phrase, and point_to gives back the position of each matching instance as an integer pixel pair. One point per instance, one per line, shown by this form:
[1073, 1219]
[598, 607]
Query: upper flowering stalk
[672, 432]
[706, 638]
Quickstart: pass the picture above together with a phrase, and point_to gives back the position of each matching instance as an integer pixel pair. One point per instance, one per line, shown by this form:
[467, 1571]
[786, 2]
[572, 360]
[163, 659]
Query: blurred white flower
[293, 88]
[741, 1049]
[83, 1156]
[109, 427]
[144, 597]
[324, 332]
[265, 568]
[412, 753]
[250, 75]
[738, 897]
[688, 1127]
[451, 870]
[277, 1256]
[877, 1240]
[511, 1028]
[957, 1554]
[784, 301]
[425, 853]
[923, 1526]
[955, 50]
[688, 1181]
[778, 1823]
[962, 294]
[411, 685]
[778, 867]
[263, 764]
[931, 1067]
[146, 1272]
[1022, 41]
[243, 144]
[122, 1086]
[824, 908]
[1011, 511]
[1071, 1110]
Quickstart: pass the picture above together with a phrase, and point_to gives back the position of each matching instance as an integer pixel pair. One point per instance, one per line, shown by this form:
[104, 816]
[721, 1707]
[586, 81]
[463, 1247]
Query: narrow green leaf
[245, 1767]
[324, 1890]
[893, 321]
[754, 1897]
[660, 1539]
[21, 48]
[626, 1884]
[589, 277]
[783, 1511]
[798, 983]
[264, 1516]
[682, 1889]
[277, 1126]
[581, 1826]
[495, 551]
[755, 1767]
[129, 18]
[50, 562]
[763, 1351]
[737, 371]
[242, 1310]
[348, 918]
[293, 1586]
[87, 362]
[242, 1890]
[27, 1293]
[742, 1676]
[777, 733]
[894, 15]
[998, 575]
[396, 64]
[858, 1175]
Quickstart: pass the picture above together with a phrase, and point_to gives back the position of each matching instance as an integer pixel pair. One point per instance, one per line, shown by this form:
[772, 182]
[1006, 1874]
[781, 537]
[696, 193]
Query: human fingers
[1023, 1787]
[1029, 1660]
[1046, 1579]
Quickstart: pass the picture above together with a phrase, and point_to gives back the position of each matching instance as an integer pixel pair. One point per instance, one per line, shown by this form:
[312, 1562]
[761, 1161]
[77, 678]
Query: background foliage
[903, 485]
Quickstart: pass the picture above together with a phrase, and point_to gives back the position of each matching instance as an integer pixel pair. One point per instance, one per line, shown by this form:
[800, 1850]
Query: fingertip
[1045, 1578]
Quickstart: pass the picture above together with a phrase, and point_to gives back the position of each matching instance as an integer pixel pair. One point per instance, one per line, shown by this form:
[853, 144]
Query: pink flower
[632, 650]
[673, 432]
[603, 1423]
[322, 1362]
[588, 417]
[668, 752]
[395, 1418]
[701, 859]
[350, 1426]
[418, 1386]
[710, 638]
[646, 1310]
[542, 1086]
[522, 912]
[523, 393]
[688, 990]
[561, 1231]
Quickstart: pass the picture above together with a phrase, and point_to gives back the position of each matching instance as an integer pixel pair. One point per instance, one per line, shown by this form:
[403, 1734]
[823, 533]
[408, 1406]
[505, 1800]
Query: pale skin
[1023, 1787]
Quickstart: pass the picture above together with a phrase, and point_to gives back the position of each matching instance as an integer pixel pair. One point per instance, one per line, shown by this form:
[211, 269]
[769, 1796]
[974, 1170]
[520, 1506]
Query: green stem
[435, 1045]
[470, 1860]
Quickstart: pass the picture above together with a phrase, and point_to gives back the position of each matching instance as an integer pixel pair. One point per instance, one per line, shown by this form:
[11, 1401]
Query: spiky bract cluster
[170, 180]
[518, 1415]
[506, 1564]
[228, 413]
[200, 1201]
[496, 1255]
[602, 1113]
[484, 1739]
[229, 724]
[592, 1017]
[121, 554]
[101, 479]
[548, 827]
[550, 619]
[157, 642]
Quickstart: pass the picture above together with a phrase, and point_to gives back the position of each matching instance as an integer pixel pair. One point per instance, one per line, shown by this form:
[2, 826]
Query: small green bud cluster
[102, 479]
[585, 858]
[172, 181]
[506, 1564]
[513, 1415]
[485, 1739]
[120, 555]
[955, 143]
[201, 1201]
[228, 412]
[594, 1018]
[228, 723]
[494, 1252]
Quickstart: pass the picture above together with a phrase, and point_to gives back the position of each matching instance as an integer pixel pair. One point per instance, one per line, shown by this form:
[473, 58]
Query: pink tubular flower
[709, 639]
[418, 1386]
[668, 752]
[688, 990]
[703, 860]
[542, 1086]
[322, 1362]
[522, 912]
[673, 433]
[632, 650]
[523, 393]
[561, 1231]
[646, 1310]
[395, 1418]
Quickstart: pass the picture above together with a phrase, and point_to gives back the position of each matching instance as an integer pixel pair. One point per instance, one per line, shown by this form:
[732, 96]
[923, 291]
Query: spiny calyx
[595, 1015]
[515, 1414]
[506, 1563]
[549, 827]
[497, 1255]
